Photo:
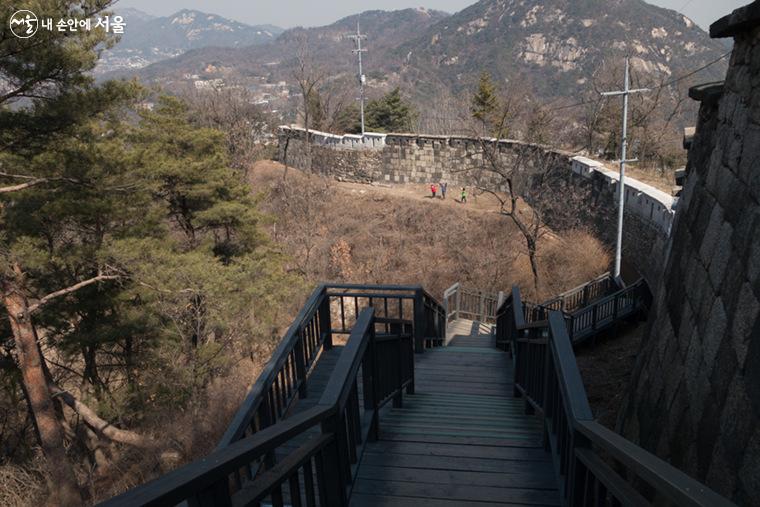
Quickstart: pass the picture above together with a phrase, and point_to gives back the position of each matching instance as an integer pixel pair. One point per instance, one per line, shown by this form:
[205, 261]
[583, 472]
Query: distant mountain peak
[150, 39]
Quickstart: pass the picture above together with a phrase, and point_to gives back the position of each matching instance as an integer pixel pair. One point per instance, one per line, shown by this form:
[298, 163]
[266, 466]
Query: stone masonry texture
[694, 398]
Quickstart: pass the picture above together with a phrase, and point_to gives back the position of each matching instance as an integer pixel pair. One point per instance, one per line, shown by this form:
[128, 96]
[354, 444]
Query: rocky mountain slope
[557, 45]
[148, 39]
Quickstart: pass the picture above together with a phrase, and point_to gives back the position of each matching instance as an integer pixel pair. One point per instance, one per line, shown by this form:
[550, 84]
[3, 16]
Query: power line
[685, 5]
[694, 71]
[658, 87]
[597, 100]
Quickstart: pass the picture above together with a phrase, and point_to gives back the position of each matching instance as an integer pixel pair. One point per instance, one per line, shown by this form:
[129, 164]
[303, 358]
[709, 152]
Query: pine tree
[131, 249]
[484, 102]
[391, 113]
[48, 94]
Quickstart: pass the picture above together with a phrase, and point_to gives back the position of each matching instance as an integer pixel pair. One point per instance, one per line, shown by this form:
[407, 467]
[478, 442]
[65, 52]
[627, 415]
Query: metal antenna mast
[621, 190]
[358, 38]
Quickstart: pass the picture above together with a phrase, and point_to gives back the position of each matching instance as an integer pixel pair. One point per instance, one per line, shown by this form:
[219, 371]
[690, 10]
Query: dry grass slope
[335, 231]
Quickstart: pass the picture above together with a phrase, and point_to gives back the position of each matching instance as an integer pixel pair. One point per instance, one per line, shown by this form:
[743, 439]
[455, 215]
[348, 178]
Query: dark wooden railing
[595, 466]
[587, 321]
[372, 370]
[470, 304]
[581, 296]
[330, 310]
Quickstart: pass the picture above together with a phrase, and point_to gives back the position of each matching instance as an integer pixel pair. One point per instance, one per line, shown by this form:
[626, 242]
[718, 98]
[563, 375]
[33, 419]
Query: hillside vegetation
[347, 232]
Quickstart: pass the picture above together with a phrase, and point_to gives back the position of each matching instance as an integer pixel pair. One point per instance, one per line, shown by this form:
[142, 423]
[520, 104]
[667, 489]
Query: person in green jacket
[464, 194]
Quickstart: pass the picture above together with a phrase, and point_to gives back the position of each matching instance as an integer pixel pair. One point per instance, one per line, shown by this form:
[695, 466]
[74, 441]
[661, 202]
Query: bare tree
[308, 77]
[444, 114]
[539, 123]
[232, 111]
[529, 180]
[514, 178]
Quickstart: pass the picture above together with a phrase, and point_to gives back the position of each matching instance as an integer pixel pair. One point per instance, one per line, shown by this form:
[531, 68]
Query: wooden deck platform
[461, 439]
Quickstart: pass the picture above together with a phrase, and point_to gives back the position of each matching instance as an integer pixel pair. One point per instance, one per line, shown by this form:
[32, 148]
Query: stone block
[749, 473]
[715, 330]
[721, 474]
[721, 256]
[685, 329]
[711, 235]
[755, 108]
[737, 423]
[752, 372]
[744, 320]
[697, 383]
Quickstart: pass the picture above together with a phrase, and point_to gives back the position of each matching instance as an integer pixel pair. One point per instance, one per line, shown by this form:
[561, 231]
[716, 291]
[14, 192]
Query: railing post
[481, 307]
[545, 404]
[217, 494]
[410, 387]
[458, 302]
[528, 370]
[268, 420]
[374, 387]
[300, 355]
[398, 399]
[419, 322]
[576, 470]
[325, 325]
[368, 374]
[332, 467]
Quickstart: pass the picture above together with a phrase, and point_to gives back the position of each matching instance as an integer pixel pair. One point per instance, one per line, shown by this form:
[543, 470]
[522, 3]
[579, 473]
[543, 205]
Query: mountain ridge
[556, 49]
[149, 39]
[559, 42]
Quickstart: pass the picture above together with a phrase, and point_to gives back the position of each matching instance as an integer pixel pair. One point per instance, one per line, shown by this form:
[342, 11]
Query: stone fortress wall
[459, 160]
[694, 397]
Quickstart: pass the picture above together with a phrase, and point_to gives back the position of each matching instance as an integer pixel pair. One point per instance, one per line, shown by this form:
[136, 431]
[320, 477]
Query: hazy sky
[289, 13]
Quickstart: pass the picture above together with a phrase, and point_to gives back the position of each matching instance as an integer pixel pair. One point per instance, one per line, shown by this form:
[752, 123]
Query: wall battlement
[459, 160]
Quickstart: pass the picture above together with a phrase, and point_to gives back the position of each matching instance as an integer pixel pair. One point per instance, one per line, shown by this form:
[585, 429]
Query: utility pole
[358, 38]
[621, 189]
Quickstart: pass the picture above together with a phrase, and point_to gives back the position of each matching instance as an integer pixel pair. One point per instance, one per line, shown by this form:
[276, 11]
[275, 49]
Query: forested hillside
[134, 273]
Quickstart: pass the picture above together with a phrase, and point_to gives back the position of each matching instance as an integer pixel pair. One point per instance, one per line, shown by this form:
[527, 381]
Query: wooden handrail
[547, 376]
[312, 331]
[248, 409]
[338, 415]
[473, 304]
[583, 294]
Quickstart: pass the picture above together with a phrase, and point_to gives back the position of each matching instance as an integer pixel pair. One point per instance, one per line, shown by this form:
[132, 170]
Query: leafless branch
[69, 290]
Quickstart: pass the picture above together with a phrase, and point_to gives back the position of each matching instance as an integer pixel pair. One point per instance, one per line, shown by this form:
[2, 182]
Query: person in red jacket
[433, 189]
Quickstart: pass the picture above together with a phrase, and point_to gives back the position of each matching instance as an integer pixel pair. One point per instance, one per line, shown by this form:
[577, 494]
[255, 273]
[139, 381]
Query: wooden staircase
[461, 439]
[490, 410]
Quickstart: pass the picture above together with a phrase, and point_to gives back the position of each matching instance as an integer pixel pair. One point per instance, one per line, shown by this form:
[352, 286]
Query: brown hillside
[371, 234]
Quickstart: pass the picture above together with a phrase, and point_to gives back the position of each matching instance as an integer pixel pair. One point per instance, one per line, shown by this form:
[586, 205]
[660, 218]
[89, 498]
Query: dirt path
[480, 202]
[421, 192]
